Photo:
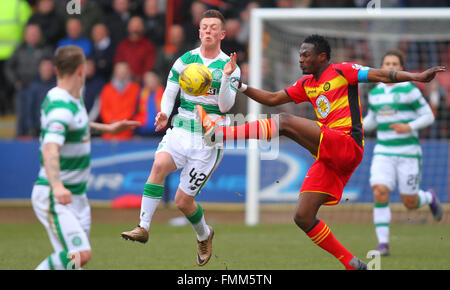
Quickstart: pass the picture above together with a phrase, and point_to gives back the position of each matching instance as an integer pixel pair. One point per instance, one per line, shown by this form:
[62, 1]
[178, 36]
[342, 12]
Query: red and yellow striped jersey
[335, 98]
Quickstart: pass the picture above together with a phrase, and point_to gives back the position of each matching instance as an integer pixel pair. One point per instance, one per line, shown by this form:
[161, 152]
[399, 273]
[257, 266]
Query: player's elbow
[224, 109]
[432, 119]
[272, 101]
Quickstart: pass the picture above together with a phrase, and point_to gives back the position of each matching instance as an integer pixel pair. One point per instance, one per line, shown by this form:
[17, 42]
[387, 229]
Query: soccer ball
[195, 79]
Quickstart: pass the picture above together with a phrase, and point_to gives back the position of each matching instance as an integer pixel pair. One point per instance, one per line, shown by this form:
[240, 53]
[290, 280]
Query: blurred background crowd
[130, 47]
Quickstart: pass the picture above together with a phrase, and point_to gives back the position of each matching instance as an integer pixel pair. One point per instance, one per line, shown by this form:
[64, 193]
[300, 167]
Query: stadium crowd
[129, 52]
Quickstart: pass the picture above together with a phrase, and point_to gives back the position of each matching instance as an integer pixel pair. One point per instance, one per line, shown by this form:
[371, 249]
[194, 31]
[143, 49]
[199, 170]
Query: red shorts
[337, 159]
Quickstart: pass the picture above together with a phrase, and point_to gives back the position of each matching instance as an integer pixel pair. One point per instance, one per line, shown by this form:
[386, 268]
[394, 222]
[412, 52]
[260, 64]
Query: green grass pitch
[236, 247]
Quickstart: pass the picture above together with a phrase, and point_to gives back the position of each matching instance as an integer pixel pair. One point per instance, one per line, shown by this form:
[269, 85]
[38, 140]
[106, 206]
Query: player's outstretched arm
[393, 76]
[115, 127]
[265, 97]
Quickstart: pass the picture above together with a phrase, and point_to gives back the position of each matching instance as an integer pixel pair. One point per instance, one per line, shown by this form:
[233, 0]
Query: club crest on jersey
[323, 106]
[217, 74]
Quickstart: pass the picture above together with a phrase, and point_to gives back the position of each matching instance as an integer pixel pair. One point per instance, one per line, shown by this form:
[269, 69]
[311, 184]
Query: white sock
[201, 229]
[381, 219]
[425, 198]
[150, 200]
[148, 208]
[198, 223]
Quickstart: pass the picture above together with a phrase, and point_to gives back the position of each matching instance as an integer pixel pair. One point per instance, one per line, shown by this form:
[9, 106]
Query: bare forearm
[393, 76]
[390, 76]
[263, 97]
[52, 167]
[98, 126]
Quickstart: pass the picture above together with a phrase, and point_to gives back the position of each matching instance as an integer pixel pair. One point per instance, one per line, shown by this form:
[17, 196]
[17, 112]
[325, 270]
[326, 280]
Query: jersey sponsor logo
[323, 106]
[387, 111]
[326, 86]
[212, 91]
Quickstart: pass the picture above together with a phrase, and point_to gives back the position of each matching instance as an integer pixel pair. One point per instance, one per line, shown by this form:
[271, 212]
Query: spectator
[90, 14]
[168, 54]
[92, 88]
[149, 104]
[154, 23]
[136, 50]
[49, 21]
[36, 93]
[191, 26]
[104, 49]
[22, 68]
[244, 34]
[10, 37]
[118, 100]
[230, 43]
[74, 37]
[117, 21]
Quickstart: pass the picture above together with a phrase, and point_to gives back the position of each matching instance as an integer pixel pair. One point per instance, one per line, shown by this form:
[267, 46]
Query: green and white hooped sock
[198, 222]
[150, 200]
[424, 198]
[381, 219]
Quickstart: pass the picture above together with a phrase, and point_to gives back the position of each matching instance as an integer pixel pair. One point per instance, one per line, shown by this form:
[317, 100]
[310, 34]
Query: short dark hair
[395, 52]
[212, 13]
[321, 45]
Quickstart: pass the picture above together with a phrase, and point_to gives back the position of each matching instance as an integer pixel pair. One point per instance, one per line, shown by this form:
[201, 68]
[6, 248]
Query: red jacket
[139, 55]
[116, 106]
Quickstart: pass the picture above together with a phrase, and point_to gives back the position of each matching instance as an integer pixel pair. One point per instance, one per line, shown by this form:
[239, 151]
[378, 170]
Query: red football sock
[263, 129]
[322, 236]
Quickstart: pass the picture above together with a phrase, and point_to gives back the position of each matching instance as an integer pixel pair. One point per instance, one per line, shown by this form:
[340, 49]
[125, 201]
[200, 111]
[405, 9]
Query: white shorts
[196, 160]
[68, 226]
[387, 170]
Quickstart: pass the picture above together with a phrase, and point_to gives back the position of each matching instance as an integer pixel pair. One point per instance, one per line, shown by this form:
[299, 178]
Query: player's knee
[283, 122]
[410, 202]
[303, 220]
[159, 168]
[381, 193]
[79, 259]
[85, 256]
[183, 203]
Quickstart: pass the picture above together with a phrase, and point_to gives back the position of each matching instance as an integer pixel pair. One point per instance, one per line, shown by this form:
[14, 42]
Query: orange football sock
[322, 236]
[264, 129]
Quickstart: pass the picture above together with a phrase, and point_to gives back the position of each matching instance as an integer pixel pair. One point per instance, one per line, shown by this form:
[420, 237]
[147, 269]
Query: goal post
[356, 34]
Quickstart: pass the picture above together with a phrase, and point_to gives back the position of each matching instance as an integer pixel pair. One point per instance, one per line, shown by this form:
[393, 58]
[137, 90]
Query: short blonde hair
[68, 58]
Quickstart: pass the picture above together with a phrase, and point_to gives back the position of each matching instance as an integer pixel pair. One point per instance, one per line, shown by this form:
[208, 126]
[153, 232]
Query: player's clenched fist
[62, 195]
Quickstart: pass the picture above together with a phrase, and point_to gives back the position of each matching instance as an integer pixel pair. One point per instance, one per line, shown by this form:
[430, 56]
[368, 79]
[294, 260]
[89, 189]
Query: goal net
[355, 35]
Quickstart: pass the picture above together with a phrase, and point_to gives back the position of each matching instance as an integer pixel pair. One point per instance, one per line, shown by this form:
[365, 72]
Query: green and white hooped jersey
[398, 103]
[210, 100]
[64, 121]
